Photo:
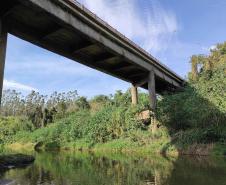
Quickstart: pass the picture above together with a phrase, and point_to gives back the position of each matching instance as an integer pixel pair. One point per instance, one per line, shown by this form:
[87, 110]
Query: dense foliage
[199, 112]
[101, 119]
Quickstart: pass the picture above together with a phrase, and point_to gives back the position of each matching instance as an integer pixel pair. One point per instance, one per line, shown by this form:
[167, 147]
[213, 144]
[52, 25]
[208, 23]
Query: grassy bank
[79, 132]
[119, 145]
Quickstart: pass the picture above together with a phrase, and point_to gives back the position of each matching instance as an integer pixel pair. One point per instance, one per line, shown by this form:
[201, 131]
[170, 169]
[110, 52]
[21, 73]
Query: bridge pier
[153, 99]
[134, 94]
[152, 91]
[3, 45]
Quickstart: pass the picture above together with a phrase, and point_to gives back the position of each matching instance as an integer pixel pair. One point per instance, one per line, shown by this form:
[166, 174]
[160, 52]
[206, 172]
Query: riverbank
[116, 146]
[161, 147]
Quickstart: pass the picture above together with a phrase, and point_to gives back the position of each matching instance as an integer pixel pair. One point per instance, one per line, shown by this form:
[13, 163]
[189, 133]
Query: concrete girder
[114, 44]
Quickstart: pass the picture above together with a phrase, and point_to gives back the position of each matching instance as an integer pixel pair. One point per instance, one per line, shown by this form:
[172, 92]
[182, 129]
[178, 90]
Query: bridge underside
[62, 28]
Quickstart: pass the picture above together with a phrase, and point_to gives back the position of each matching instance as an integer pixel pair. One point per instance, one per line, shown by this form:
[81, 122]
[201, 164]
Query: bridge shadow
[193, 122]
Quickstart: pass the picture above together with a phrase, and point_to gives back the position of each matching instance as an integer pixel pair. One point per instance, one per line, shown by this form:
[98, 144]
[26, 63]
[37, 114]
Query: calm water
[89, 169]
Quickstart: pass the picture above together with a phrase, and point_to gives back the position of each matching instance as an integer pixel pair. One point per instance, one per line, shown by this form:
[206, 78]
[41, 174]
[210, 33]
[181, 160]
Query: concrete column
[134, 95]
[151, 90]
[3, 44]
[153, 101]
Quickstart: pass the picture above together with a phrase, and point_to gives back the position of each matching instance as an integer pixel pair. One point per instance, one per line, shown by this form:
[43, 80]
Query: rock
[10, 167]
[15, 160]
[6, 182]
[144, 116]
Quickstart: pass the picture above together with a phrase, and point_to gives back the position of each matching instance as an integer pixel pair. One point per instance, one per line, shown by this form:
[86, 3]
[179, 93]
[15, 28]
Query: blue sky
[171, 30]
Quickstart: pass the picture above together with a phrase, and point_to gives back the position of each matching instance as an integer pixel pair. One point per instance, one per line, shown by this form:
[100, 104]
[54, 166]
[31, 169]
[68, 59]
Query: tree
[82, 103]
[121, 98]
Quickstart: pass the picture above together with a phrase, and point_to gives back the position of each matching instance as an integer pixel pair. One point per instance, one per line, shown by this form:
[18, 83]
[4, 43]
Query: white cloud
[151, 26]
[17, 86]
[213, 47]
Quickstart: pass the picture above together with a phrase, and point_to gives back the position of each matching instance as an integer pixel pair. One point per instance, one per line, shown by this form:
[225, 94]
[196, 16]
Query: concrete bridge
[69, 29]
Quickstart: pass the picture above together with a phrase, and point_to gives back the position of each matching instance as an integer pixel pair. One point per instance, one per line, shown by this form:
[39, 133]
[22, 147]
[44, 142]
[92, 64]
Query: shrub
[202, 104]
[111, 123]
[11, 125]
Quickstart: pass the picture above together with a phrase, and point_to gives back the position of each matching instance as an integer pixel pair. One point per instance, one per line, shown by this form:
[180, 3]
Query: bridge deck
[67, 28]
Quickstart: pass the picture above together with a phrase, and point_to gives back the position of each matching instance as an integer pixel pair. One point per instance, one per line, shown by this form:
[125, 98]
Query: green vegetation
[198, 114]
[194, 118]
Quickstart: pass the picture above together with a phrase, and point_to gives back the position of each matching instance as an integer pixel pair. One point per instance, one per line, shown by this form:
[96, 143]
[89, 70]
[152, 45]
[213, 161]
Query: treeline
[206, 65]
[71, 118]
[38, 108]
[42, 109]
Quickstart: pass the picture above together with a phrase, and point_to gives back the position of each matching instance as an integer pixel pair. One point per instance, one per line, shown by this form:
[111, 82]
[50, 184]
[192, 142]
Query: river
[78, 168]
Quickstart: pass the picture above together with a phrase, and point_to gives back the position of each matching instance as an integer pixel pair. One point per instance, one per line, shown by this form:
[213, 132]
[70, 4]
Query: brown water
[63, 168]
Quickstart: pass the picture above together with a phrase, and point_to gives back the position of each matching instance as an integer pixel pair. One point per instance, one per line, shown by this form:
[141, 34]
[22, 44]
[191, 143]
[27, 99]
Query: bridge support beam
[134, 95]
[151, 90]
[153, 99]
[3, 44]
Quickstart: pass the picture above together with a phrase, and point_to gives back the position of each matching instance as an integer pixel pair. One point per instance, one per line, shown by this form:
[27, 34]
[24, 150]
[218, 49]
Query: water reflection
[89, 169]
